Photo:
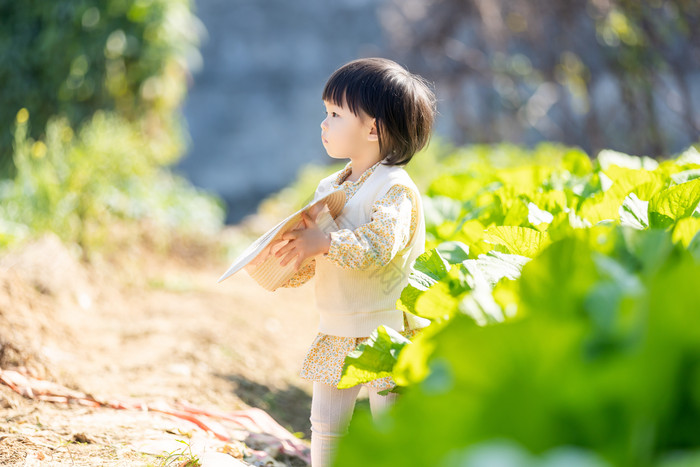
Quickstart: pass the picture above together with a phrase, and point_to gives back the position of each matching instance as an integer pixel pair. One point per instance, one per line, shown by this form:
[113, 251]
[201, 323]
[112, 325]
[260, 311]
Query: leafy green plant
[565, 315]
[78, 185]
[74, 58]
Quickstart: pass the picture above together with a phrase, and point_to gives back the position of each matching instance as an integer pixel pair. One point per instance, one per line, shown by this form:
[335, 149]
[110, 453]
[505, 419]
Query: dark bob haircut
[402, 104]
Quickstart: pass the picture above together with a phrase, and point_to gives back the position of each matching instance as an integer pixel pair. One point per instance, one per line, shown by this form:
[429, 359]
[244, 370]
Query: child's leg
[379, 403]
[331, 410]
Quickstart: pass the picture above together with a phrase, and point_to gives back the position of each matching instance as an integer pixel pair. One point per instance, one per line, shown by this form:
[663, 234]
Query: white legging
[331, 410]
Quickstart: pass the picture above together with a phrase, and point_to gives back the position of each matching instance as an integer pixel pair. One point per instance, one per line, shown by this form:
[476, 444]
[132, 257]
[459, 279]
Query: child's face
[346, 135]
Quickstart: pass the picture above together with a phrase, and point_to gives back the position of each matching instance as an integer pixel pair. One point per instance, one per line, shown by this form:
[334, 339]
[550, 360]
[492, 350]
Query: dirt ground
[148, 326]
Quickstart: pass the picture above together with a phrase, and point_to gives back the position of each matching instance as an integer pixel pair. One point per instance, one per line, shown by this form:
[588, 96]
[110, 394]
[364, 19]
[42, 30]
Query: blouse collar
[348, 170]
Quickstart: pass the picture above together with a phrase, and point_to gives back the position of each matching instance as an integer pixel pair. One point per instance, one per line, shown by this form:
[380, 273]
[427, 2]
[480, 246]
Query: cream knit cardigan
[353, 302]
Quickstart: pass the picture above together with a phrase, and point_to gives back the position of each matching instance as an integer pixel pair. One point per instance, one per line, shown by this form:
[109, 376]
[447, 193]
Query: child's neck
[360, 167]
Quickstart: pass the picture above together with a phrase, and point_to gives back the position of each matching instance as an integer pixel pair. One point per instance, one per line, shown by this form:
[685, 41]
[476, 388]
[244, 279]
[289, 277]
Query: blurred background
[232, 89]
[595, 74]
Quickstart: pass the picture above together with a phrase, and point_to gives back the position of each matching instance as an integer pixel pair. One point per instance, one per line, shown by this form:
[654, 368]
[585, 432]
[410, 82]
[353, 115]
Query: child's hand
[265, 253]
[305, 242]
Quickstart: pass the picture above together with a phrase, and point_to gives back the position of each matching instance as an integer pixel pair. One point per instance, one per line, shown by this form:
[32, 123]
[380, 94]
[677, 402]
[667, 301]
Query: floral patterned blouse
[393, 221]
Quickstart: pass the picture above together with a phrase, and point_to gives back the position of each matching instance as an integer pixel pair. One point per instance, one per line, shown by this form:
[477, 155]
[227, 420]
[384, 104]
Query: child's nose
[324, 123]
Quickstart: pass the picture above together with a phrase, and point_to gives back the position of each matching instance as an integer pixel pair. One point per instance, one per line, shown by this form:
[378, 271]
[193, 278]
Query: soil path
[158, 329]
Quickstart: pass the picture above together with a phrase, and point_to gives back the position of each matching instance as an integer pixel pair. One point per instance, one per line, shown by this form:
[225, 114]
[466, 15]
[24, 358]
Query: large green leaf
[674, 203]
[685, 176]
[608, 158]
[648, 249]
[427, 269]
[605, 205]
[517, 213]
[553, 201]
[479, 303]
[495, 266]
[625, 180]
[439, 209]
[521, 241]
[453, 252]
[634, 212]
[441, 300]
[600, 207]
[557, 281]
[685, 230]
[373, 359]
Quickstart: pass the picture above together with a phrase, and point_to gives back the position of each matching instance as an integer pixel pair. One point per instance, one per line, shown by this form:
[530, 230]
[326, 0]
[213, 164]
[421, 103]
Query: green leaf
[694, 247]
[634, 212]
[373, 359]
[453, 252]
[611, 326]
[517, 214]
[440, 301]
[538, 216]
[479, 302]
[608, 158]
[628, 180]
[685, 176]
[407, 300]
[428, 268]
[690, 156]
[605, 205]
[472, 234]
[438, 209]
[650, 248]
[559, 278]
[577, 162]
[522, 241]
[553, 201]
[459, 186]
[433, 282]
[602, 206]
[495, 266]
[685, 230]
[674, 203]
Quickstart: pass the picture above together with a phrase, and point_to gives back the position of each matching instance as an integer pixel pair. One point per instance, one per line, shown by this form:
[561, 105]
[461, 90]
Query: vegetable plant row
[564, 300]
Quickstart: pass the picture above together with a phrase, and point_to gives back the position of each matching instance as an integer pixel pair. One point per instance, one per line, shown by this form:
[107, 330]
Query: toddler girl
[378, 115]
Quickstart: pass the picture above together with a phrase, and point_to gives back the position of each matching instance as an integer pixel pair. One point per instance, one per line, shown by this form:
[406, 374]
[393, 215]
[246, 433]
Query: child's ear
[373, 135]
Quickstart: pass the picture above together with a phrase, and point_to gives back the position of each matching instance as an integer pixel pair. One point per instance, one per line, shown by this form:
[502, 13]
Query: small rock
[82, 438]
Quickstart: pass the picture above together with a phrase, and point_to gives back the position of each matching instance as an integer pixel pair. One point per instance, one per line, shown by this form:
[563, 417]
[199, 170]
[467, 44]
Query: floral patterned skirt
[324, 360]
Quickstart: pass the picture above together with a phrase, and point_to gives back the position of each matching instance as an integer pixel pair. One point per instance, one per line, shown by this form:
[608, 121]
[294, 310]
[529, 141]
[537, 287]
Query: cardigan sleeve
[393, 221]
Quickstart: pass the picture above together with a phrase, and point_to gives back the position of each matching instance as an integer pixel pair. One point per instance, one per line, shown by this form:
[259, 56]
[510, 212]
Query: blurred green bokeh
[91, 119]
[74, 58]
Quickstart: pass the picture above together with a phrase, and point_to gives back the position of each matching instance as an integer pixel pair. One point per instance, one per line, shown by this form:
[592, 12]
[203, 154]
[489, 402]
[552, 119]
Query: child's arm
[375, 243]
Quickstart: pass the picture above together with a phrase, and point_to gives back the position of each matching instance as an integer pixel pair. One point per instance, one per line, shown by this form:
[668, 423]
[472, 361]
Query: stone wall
[254, 108]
